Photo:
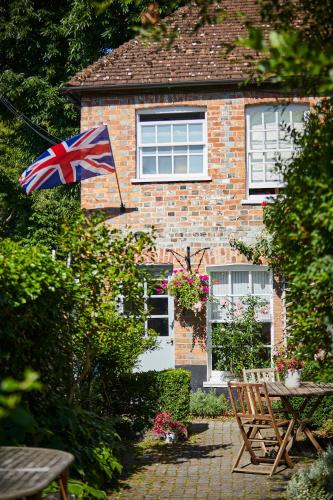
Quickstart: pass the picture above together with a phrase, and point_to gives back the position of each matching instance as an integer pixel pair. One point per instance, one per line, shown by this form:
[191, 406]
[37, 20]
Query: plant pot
[292, 379]
[170, 437]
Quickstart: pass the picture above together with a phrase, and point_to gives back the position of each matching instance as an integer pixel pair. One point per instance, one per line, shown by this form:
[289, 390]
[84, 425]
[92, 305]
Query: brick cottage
[194, 150]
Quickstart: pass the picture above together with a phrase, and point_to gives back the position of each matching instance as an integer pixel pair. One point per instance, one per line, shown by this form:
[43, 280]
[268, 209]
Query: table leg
[303, 424]
[63, 482]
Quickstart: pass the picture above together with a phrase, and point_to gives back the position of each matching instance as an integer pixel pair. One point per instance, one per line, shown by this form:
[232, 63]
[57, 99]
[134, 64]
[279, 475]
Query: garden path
[198, 469]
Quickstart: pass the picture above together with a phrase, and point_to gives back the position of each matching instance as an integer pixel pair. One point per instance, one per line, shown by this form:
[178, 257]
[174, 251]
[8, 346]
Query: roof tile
[194, 55]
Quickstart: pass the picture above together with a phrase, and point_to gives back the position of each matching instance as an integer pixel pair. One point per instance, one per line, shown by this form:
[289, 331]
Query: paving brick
[172, 475]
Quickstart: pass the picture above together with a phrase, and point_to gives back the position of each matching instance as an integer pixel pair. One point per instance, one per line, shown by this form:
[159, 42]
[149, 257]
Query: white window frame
[172, 110]
[214, 377]
[170, 313]
[275, 107]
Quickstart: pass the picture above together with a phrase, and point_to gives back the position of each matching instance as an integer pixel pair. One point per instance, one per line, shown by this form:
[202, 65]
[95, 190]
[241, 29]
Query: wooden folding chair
[258, 425]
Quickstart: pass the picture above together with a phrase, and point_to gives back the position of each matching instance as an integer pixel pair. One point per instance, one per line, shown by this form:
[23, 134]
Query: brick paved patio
[198, 469]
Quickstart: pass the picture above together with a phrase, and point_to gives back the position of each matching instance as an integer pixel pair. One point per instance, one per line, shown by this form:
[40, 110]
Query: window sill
[146, 180]
[258, 201]
[211, 383]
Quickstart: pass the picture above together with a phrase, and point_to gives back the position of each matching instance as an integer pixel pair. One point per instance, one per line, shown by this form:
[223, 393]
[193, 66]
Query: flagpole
[122, 206]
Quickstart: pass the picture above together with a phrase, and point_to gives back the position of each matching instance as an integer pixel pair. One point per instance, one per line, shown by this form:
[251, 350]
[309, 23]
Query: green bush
[208, 404]
[315, 372]
[174, 393]
[315, 483]
[137, 397]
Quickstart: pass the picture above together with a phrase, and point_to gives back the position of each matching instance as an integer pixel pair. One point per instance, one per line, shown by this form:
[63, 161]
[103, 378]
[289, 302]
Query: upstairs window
[267, 141]
[172, 143]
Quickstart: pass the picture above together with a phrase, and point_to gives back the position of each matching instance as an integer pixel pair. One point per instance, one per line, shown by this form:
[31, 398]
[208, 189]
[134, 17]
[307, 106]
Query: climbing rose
[264, 203]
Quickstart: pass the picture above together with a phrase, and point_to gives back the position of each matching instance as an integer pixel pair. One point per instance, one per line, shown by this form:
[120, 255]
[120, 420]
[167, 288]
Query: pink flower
[204, 299]
[158, 290]
[204, 277]
[189, 280]
[205, 289]
[197, 307]
[177, 283]
[264, 203]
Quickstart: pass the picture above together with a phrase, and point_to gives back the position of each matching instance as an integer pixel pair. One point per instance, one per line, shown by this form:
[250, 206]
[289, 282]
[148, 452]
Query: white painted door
[161, 320]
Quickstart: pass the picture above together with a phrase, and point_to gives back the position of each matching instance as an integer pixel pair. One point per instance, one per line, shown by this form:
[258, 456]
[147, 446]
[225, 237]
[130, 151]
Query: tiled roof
[193, 57]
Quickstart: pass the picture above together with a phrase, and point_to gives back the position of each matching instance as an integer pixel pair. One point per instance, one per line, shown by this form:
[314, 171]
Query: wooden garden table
[25, 472]
[312, 393]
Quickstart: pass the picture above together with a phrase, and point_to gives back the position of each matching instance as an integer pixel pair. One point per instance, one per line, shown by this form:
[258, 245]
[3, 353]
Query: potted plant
[237, 342]
[288, 364]
[167, 428]
[189, 289]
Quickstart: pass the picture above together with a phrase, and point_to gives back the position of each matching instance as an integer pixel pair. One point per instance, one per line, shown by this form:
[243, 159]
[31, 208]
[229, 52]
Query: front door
[161, 319]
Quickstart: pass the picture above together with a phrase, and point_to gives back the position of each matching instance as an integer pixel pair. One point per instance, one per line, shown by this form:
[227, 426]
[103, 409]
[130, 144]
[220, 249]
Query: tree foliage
[65, 321]
[298, 51]
[42, 44]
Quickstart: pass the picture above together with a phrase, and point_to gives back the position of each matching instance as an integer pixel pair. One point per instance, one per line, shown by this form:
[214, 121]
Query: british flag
[80, 157]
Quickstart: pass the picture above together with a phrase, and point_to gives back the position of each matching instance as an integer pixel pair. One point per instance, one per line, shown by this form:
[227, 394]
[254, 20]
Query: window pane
[255, 120]
[165, 150]
[163, 133]
[219, 284]
[148, 151]
[180, 133]
[195, 149]
[160, 325]
[195, 132]
[180, 150]
[285, 140]
[271, 139]
[148, 165]
[240, 283]
[270, 118]
[196, 164]
[257, 140]
[272, 173]
[266, 333]
[257, 167]
[219, 310]
[158, 305]
[261, 284]
[164, 165]
[298, 113]
[180, 164]
[284, 115]
[148, 134]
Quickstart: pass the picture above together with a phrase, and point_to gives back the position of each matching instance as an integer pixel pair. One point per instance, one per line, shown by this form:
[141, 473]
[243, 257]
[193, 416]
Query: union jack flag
[80, 157]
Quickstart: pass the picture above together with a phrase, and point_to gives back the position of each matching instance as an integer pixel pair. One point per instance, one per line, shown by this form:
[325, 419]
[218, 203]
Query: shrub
[315, 483]
[208, 404]
[137, 397]
[316, 372]
[174, 393]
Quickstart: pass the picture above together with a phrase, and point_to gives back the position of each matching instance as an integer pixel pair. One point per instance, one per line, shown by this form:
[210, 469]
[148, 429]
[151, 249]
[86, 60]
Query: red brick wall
[195, 214]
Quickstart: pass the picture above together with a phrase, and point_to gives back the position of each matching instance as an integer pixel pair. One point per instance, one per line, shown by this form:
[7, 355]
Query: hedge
[139, 396]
